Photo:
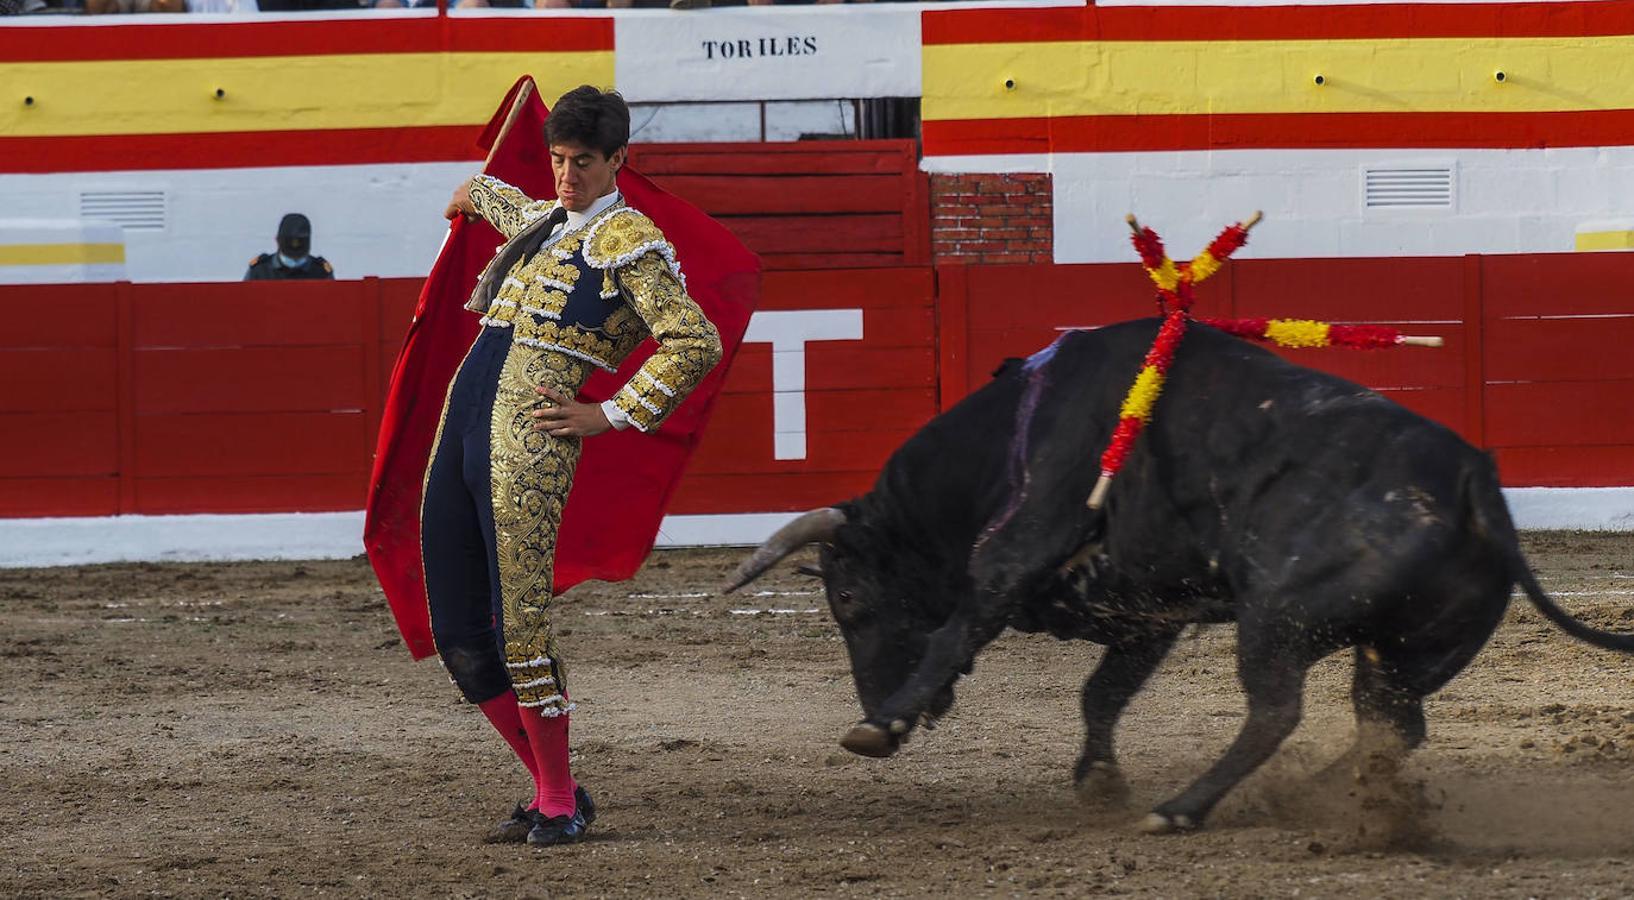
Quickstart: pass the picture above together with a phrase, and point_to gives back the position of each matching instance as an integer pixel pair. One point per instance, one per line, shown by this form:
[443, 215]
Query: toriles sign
[748, 55]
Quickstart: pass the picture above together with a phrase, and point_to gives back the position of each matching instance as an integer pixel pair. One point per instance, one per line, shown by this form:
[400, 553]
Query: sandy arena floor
[257, 729]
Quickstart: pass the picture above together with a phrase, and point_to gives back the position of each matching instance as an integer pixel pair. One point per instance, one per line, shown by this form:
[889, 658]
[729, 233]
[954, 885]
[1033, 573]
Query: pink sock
[506, 717]
[547, 735]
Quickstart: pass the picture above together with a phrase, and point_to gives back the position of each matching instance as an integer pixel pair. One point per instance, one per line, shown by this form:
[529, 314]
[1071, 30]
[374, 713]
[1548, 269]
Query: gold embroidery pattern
[591, 346]
[505, 206]
[525, 285]
[624, 236]
[688, 344]
[547, 265]
[531, 474]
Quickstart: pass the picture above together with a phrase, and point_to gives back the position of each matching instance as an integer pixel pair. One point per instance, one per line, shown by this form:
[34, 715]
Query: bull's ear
[813, 571]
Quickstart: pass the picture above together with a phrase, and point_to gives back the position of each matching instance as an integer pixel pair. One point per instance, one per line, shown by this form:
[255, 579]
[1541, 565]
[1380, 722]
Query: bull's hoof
[868, 739]
[1158, 823]
[1101, 784]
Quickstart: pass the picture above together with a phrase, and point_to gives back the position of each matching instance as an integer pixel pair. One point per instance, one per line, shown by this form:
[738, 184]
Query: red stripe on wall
[514, 35]
[1222, 23]
[1103, 134]
[183, 40]
[240, 149]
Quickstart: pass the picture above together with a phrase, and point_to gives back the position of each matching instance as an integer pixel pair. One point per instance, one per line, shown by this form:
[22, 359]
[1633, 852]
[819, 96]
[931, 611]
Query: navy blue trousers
[457, 528]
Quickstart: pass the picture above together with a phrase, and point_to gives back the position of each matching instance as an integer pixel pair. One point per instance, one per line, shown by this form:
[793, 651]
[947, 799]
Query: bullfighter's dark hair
[599, 120]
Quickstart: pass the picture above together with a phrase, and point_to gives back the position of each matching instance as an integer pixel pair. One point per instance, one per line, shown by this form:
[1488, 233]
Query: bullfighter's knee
[476, 668]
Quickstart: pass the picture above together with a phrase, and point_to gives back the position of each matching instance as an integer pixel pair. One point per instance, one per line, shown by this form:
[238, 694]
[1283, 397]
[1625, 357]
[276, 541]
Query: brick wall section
[992, 219]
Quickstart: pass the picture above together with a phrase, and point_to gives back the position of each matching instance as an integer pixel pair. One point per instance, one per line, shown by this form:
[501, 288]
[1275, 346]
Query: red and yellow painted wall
[1125, 78]
[285, 93]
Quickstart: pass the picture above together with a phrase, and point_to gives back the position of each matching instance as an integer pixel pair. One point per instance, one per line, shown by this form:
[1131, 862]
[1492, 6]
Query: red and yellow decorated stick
[1174, 283]
[1294, 333]
[1174, 299]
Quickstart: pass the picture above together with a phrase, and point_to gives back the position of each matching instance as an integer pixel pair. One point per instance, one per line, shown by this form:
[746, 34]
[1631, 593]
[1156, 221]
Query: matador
[578, 284]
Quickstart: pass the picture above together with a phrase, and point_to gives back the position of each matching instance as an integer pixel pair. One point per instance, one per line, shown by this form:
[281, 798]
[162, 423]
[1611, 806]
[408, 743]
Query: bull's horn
[817, 525]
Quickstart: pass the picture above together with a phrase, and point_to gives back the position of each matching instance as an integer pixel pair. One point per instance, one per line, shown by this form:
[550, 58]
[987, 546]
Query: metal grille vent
[132, 210]
[1405, 187]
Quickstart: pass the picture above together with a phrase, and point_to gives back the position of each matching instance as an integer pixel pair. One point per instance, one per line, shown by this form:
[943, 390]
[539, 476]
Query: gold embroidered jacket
[596, 293]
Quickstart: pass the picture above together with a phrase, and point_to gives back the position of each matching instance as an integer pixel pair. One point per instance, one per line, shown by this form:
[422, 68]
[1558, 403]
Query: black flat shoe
[584, 805]
[513, 830]
[559, 830]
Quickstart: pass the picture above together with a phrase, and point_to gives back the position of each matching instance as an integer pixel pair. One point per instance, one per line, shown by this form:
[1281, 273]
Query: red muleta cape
[625, 478]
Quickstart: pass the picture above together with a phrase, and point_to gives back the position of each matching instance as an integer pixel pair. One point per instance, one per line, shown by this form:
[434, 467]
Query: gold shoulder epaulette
[621, 236]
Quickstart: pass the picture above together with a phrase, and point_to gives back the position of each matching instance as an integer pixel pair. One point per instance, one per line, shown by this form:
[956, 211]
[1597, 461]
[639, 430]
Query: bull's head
[886, 632]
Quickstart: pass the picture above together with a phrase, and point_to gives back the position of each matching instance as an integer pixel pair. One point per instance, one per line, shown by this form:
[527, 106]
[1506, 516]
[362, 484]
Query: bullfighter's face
[583, 175]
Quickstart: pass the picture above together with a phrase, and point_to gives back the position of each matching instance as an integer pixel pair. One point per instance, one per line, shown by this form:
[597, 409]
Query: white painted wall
[385, 220]
[339, 535]
[1507, 201]
[19, 235]
[381, 220]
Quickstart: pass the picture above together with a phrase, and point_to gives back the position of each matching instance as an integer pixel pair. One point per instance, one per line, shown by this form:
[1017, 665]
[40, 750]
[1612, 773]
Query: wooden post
[952, 334]
[916, 212]
[1474, 353]
[372, 297]
[125, 395]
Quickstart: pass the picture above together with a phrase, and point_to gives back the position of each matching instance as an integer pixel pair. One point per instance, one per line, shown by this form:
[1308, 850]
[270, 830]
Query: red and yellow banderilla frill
[1174, 283]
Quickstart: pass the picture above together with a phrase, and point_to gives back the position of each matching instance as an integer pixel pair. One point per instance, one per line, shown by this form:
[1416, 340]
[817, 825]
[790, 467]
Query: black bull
[1311, 511]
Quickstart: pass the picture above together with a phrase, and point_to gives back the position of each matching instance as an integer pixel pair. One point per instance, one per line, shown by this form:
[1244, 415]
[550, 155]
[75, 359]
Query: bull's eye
[843, 596]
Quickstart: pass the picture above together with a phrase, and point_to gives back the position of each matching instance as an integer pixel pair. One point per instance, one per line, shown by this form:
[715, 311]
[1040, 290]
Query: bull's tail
[1485, 500]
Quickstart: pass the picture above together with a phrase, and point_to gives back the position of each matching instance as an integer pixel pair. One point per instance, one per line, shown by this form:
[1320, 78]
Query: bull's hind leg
[1388, 692]
[1389, 707]
[1271, 664]
[1123, 669]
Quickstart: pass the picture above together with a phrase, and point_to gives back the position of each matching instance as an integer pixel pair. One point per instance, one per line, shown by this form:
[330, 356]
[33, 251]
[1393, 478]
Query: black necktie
[557, 217]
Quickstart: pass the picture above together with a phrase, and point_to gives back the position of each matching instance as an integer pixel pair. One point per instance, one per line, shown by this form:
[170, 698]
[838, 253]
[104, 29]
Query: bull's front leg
[1123, 669]
[948, 653]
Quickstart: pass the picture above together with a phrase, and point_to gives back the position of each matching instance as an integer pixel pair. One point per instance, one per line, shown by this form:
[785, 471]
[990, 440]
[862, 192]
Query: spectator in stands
[224, 7]
[310, 5]
[706, 4]
[293, 259]
[601, 4]
[452, 4]
[99, 7]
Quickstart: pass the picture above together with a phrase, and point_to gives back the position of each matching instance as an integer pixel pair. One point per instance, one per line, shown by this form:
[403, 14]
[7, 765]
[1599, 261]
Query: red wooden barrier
[60, 407]
[265, 397]
[862, 398]
[805, 204]
[1558, 370]
[1534, 365]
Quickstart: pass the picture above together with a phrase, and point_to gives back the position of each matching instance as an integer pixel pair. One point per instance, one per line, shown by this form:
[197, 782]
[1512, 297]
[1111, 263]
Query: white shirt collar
[576, 220]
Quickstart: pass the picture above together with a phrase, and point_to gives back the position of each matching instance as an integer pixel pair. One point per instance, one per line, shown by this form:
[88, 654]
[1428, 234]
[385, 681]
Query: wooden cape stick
[510, 119]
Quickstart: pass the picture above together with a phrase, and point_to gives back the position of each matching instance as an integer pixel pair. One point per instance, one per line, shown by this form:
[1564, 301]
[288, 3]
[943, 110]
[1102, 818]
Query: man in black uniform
[293, 259]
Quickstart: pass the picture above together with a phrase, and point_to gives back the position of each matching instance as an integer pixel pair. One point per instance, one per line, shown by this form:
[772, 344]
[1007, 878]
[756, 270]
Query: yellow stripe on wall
[1086, 78]
[61, 254]
[1605, 240]
[177, 96]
